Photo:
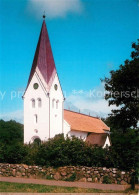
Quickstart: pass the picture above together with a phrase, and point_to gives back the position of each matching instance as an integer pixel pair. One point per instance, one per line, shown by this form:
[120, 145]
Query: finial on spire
[44, 15]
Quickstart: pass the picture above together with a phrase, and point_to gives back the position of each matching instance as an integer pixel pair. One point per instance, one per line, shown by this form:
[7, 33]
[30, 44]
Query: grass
[36, 188]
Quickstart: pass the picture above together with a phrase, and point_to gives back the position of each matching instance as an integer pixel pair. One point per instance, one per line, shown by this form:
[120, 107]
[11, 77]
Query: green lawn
[32, 188]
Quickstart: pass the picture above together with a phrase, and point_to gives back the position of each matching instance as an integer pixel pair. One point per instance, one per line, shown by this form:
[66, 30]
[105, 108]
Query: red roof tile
[82, 122]
[43, 58]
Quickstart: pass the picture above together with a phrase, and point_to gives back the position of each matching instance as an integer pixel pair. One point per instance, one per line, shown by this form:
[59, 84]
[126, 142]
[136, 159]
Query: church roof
[82, 122]
[43, 62]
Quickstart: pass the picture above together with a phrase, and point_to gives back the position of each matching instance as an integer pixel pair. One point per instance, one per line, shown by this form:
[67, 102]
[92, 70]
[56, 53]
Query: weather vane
[44, 15]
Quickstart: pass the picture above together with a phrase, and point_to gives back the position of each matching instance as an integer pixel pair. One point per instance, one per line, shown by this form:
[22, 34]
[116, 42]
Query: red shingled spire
[43, 59]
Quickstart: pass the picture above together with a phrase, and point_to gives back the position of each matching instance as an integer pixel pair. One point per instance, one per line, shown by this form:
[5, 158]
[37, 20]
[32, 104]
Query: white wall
[78, 134]
[50, 119]
[66, 128]
[107, 142]
[70, 133]
[43, 112]
[56, 114]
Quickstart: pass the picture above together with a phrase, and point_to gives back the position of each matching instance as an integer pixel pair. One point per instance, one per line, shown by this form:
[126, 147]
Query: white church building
[44, 114]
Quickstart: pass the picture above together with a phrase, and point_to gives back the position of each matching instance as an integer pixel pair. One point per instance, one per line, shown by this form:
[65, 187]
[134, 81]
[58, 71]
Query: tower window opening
[57, 102]
[35, 118]
[53, 103]
[37, 141]
[39, 102]
[33, 103]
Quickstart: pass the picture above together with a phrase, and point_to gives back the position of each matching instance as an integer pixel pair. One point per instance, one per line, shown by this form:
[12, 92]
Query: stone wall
[68, 173]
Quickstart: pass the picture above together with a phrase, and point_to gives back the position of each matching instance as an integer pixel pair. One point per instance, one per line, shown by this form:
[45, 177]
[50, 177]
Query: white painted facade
[45, 119]
[56, 108]
[79, 134]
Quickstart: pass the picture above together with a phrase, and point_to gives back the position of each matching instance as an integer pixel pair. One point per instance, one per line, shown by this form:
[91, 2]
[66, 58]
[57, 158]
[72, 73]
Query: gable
[97, 139]
[31, 92]
[58, 94]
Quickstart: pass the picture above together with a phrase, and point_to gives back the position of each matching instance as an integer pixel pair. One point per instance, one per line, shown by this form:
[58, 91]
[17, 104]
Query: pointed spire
[43, 62]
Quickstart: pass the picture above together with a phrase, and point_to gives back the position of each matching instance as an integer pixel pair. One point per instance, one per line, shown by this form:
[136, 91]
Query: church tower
[43, 97]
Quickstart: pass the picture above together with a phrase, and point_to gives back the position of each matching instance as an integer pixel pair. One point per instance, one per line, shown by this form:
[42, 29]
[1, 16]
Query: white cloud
[54, 8]
[93, 103]
[16, 115]
[94, 107]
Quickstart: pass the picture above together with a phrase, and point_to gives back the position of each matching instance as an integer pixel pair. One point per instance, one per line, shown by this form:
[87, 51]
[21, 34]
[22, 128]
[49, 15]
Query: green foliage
[60, 151]
[15, 153]
[11, 142]
[125, 149]
[107, 180]
[122, 88]
[71, 178]
[10, 132]
[49, 177]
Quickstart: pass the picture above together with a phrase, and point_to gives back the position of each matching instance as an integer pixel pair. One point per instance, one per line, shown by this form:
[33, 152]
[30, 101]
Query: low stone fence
[68, 173]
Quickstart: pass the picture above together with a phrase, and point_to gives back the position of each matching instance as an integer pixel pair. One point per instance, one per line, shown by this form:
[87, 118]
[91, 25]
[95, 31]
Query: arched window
[37, 141]
[39, 102]
[57, 103]
[33, 103]
[53, 103]
[35, 118]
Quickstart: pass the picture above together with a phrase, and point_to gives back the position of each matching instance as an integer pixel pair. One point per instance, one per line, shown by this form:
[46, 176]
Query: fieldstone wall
[68, 173]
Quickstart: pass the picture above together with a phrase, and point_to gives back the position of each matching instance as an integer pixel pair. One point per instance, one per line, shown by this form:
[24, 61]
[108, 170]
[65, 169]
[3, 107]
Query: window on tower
[57, 103]
[53, 103]
[35, 118]
[33, 103]
[39, 102]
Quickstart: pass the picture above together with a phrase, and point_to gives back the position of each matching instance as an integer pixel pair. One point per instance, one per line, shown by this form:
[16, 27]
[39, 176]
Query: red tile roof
[43, 58]
[82, 122]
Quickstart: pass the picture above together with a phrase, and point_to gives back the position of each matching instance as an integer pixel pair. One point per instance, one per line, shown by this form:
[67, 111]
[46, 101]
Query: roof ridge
[82, 114]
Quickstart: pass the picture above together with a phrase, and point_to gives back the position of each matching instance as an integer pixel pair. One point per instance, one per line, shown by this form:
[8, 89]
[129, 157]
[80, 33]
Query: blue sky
[88, 38]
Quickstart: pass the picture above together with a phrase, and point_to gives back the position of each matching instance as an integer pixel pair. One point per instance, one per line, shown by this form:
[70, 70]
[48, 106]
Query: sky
[89, 38]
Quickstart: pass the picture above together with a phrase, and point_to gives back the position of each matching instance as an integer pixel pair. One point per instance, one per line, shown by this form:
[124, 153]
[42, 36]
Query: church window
[39, 102]
[57, 103]
[53, 103]
[35, 118]
[35, 85]
[33, 103]
[55, 86]
[37, 141]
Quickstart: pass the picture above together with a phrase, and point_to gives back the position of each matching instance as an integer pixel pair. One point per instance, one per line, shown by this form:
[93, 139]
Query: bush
[11, 132]
[59, 151]
[124, 150]
[107, 180]
[13, 153]
[71, 178]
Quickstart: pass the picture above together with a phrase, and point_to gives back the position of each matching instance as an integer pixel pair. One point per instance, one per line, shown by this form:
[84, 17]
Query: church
[44, 113]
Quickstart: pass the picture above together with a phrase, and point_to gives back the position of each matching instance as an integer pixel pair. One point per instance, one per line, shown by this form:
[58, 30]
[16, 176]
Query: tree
[11, 132]
[124, 149]
[123, 91]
